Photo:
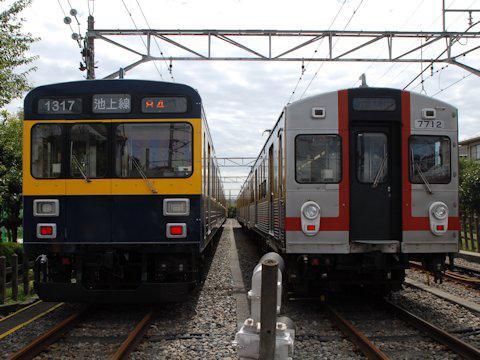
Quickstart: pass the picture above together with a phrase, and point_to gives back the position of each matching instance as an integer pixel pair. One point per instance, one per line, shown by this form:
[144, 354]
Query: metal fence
[10, 279]
[469, 233]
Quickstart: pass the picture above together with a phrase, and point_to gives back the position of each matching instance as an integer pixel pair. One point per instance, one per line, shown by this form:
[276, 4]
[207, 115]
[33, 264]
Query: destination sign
[374, 104]
[60, 106]
[111, 103]
[168, 104]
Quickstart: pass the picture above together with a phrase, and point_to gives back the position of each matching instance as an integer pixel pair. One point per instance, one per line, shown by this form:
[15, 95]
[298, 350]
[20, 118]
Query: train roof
[136, 88]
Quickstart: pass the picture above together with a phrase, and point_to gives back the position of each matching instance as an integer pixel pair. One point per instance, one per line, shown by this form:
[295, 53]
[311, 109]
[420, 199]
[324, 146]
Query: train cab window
[372, 156]
[161, 150]
[46, 153]
[430, 159]
[88, 151]
[318, 159]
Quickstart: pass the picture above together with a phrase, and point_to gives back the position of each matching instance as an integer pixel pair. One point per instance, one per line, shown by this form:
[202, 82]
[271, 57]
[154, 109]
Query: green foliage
[8, 249]
[13, 46]
[469, 185]
[11, 133]
[232, 211]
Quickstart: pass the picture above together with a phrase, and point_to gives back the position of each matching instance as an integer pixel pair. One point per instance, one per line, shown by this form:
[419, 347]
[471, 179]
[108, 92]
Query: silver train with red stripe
[351, 185]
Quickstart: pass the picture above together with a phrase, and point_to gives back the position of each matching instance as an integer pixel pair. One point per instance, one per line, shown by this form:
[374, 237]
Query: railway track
[21, 318]
[64, 328]
[464, 276]
[367, 345]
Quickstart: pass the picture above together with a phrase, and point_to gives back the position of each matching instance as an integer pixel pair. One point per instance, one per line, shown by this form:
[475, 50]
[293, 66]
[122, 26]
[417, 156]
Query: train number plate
[429, 124]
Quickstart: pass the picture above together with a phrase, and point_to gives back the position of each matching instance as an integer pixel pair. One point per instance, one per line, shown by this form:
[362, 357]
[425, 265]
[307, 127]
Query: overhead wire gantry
[410, 50]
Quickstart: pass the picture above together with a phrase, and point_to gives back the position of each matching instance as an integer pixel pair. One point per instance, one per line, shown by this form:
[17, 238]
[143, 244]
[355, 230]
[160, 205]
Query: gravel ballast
[204, 326]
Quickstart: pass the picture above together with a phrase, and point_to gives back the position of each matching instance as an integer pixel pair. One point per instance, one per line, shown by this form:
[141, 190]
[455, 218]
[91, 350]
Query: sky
[242, 99]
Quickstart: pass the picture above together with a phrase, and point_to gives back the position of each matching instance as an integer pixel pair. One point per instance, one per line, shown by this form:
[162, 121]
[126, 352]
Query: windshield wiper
[77, 164]
[142, 174]
[380, 170]
[424, 179]
[416, 165]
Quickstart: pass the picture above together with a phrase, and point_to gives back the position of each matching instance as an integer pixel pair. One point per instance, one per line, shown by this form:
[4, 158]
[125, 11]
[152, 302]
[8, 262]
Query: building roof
[469, 141]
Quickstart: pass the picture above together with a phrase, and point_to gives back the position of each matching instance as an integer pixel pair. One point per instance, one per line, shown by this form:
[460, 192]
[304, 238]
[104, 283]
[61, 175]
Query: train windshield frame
[140, 145]
[323, 152]
[432, 154]
[46, 151]
[88, 150]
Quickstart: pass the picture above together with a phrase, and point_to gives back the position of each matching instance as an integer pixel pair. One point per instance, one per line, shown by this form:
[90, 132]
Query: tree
[13, 46]
[11, 133]
[469, 185]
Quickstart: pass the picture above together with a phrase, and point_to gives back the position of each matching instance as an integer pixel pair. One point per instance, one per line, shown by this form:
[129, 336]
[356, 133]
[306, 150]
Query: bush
[9, 248]
[232, 212]
[469, 185]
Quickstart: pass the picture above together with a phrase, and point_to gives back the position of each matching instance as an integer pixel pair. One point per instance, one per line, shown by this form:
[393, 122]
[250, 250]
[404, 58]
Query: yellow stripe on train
[116, 186]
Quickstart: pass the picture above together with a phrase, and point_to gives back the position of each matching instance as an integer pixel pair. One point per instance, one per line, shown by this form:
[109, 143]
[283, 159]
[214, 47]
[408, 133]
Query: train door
[256, 198]
[209, 189]
[270, 189]
[375, 182]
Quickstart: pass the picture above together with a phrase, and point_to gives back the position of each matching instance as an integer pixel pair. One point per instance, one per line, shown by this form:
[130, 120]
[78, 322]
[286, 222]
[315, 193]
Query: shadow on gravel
[248, 252]
[171, 312]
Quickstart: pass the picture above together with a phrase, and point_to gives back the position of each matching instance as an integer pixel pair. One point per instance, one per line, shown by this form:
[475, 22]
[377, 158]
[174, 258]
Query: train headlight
[311, 210]
[46, 207]
[176, 207]
[438, 214]
[310, 218]
[440, 211]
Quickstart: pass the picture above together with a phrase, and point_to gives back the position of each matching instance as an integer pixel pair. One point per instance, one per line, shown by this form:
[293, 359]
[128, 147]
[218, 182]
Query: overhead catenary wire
[169, 67]
[141, 38]
[304, 67]
[409, 18]
[443, 52]
[410, 64]
[333, 46]
[452, 84]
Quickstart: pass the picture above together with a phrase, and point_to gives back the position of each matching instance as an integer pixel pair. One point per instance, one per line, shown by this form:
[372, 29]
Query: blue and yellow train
[122, 194]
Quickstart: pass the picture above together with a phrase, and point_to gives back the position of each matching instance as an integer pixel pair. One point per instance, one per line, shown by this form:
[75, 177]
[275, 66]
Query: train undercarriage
[91, 273]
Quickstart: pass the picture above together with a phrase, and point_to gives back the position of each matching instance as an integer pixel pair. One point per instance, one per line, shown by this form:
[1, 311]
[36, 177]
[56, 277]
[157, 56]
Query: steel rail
[463, 279]
[137, 333]
[356, 336]
[450, 341]
[40, 343]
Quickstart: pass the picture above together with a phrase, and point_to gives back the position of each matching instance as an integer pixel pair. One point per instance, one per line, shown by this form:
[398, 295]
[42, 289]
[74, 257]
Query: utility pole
[88, 51]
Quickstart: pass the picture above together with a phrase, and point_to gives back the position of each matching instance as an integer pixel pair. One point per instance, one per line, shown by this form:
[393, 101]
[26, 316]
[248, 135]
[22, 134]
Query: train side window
[88, 150]
[429, 156]
[46, 156]
[318, 159]
[372, 157]
[161, 150]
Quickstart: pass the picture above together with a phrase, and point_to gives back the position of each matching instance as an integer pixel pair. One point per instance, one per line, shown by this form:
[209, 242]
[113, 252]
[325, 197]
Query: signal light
[176, 230]
[311, 227]
[440, 228]
[46, 230]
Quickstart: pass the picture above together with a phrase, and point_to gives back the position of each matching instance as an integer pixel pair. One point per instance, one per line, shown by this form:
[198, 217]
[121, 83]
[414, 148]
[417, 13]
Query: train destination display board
[111, 103]
[59, 106]
[164, 104]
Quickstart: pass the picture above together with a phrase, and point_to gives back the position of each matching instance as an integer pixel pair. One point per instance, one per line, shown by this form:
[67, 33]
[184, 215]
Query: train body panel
[360, 181]
[129, 170]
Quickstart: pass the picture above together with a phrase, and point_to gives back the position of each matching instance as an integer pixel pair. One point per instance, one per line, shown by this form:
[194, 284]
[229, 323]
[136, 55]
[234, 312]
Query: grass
[21, 296]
